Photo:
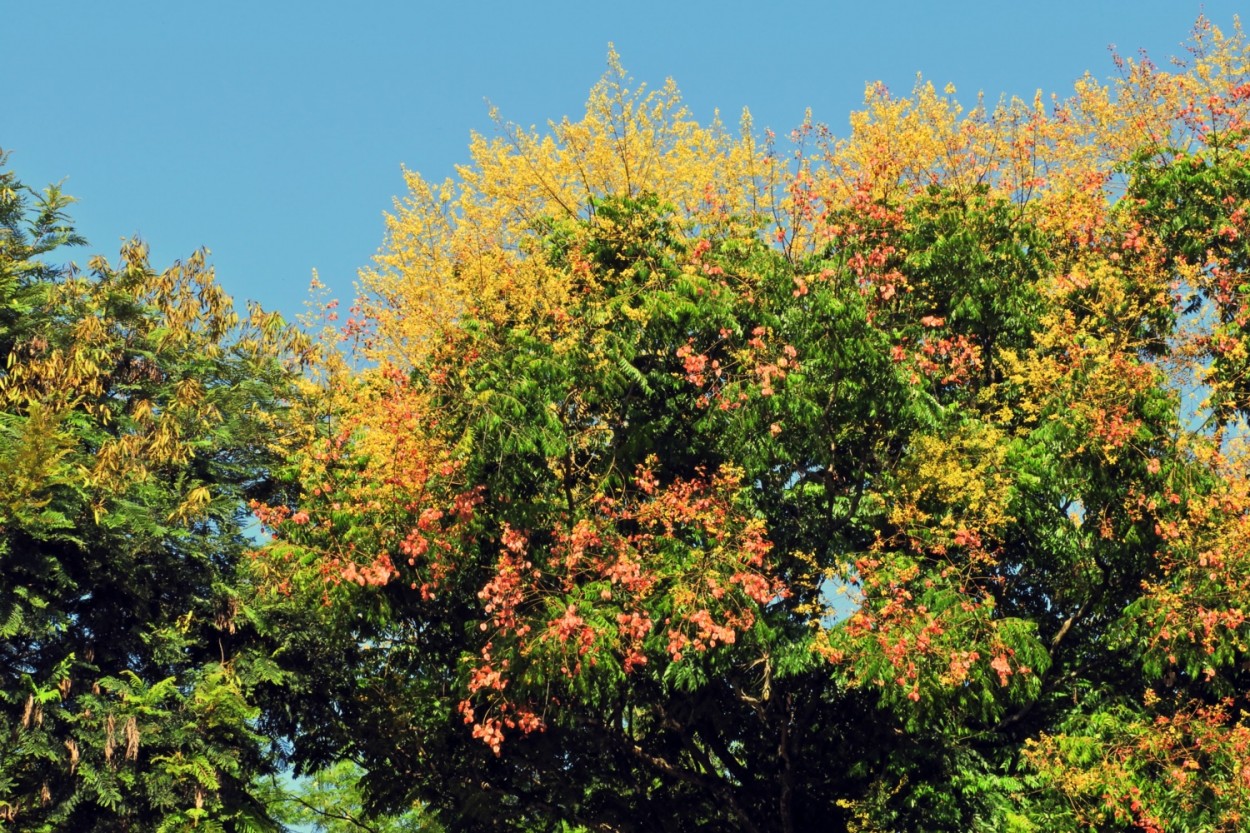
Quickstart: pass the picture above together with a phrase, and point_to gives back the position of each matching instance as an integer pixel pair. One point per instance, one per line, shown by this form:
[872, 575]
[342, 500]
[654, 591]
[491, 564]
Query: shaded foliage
[138, 417]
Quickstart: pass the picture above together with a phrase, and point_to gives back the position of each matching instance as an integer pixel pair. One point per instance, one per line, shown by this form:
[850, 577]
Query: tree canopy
[138, 418]
[666, 476]
[698, 483]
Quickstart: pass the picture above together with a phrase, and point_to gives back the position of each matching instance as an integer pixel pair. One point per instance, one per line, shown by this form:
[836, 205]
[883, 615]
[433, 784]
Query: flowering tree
[694, 486]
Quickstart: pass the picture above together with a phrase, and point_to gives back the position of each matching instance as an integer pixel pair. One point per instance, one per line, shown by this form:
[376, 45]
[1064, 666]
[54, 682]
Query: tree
[687, 487]
[331, 802]
[138, 417]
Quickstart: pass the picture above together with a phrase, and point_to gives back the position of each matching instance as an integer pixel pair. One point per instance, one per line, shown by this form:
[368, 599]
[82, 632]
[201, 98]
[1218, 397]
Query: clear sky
[273, 131]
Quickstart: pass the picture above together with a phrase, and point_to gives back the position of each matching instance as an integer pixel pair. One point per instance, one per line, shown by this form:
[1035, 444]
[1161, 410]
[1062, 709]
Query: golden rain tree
[698, 481]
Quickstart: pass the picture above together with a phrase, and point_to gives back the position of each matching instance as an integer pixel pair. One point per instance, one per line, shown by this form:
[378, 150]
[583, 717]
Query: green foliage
[935, 491]
[677, 490]
[331, 802]
[137, 420]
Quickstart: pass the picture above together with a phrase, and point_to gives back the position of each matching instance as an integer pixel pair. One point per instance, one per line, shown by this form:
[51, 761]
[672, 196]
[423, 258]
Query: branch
[698, 780]
[328, 814]
[1067, 625]
[786, 801]
[730, 761]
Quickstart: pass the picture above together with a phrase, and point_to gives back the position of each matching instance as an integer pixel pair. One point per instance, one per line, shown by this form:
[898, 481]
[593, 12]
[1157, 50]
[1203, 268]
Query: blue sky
[273, 132]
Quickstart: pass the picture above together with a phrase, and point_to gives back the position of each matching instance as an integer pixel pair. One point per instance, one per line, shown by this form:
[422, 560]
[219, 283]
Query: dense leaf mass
[138, 418]
[667, 477]
[894, 484]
